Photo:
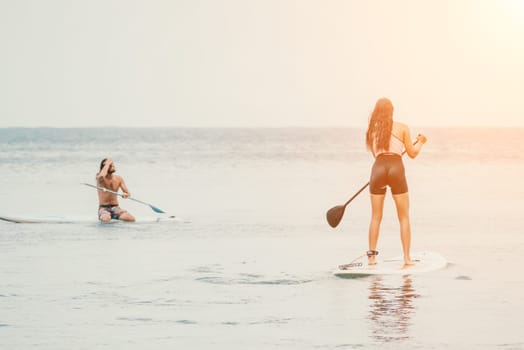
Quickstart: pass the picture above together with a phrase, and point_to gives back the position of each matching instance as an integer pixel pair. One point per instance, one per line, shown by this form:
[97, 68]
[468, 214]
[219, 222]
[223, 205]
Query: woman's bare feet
[408, 263]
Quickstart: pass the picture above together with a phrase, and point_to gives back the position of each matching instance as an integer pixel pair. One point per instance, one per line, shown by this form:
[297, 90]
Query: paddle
[335, 214]
[155, 209]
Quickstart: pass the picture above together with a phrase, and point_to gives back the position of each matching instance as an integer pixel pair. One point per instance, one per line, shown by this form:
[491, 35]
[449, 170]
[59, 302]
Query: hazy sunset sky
[242, 63]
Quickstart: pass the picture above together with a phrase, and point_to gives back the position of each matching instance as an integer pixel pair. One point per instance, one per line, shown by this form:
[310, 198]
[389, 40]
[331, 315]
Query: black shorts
[388, 170]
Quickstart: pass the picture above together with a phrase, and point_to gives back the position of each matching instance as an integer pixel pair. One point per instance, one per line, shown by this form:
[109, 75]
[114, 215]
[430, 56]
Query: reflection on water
[391, 308]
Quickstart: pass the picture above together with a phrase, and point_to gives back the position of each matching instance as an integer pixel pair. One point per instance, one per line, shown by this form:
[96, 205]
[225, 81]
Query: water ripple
[251, 280]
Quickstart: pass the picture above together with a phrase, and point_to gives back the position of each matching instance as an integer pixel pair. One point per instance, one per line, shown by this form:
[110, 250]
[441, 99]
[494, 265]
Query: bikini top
[396, 146]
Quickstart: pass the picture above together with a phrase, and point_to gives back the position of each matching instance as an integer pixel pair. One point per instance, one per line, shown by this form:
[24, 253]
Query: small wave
[93, 283]
[4, 325]
[232, 302]
[272, 321]
[250, 275]
[185, 322]
[282, 282]
[8, 295]
[168, 279]
[147, 319]
[134, 319]
[207, 269]
[512, 346]
[463, 278]
[251, 281]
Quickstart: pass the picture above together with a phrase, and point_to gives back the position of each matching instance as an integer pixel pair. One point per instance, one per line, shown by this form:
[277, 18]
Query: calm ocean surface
[251, 265]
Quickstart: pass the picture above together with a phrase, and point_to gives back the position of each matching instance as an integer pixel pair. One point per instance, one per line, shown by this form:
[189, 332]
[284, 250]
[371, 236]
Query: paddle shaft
[113, 192]
[121, 195]
[366, 185]
[356, 194]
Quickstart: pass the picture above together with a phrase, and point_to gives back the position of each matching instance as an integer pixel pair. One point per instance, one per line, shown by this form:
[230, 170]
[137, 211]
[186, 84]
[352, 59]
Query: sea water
[250, 266]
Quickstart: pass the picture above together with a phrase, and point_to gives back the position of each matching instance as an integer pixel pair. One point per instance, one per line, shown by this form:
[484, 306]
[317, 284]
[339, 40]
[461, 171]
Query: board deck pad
[424, 262]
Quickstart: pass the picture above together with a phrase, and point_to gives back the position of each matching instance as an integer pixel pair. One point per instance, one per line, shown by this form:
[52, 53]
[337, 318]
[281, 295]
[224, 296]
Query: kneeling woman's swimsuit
[388, 169]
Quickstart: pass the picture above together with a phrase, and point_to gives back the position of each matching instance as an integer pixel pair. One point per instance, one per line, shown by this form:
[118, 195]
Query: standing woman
[386, 139]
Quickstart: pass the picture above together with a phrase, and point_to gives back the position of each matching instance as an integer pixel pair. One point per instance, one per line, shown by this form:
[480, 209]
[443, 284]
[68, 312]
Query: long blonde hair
[380, 125]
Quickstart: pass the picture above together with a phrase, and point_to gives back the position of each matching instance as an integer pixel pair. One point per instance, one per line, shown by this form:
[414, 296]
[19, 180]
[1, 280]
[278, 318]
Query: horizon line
[255, 127]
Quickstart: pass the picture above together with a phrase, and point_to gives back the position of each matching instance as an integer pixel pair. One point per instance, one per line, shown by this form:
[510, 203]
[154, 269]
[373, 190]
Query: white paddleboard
[78, 220]
[424, 262]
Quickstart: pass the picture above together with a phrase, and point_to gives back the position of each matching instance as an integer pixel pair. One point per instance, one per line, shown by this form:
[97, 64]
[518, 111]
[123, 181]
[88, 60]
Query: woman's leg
[402, 204]
[377, 206]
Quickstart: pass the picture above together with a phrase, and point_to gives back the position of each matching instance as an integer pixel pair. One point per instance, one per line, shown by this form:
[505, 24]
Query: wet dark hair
[380, 125]
[102, 163]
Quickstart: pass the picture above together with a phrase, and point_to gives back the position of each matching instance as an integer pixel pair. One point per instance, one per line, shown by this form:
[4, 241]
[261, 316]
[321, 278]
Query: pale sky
[251, 63]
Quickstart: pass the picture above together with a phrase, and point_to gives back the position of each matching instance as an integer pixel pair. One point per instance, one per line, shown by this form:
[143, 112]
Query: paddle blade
[334, 215]
[156, 210]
